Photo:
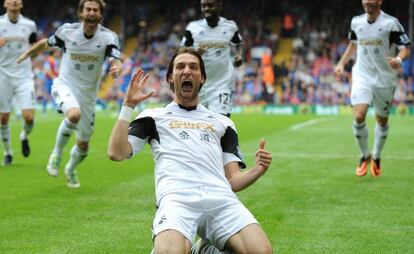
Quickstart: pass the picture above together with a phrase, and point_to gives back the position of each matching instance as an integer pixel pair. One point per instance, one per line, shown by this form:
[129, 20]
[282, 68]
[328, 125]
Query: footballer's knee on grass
[74, 115]
[4, 119]
[250, 240]
[171, 242]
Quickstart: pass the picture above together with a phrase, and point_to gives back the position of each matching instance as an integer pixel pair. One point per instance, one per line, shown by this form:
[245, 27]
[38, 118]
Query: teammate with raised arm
[16, 80]
[85, 46]
[215, 37]
[190, 145]
[374, 74]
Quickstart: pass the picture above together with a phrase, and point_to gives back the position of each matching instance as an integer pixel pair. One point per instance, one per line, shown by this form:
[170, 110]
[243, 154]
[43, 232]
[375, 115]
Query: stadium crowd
[307, 76]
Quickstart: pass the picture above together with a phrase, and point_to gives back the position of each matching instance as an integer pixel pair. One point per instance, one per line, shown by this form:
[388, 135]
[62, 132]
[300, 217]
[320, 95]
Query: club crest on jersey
[184, 135]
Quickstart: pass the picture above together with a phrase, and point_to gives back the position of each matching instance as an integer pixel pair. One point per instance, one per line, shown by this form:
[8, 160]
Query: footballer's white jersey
[83, 57]
[190, 147]
[216, 44]
[374, 41]
[18, 38]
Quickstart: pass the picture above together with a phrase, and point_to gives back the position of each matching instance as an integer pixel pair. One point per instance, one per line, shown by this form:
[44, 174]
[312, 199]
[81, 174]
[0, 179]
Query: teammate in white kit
[190, 145]
[215, 37]
[16, 80]
[374, 74]
[85, 46]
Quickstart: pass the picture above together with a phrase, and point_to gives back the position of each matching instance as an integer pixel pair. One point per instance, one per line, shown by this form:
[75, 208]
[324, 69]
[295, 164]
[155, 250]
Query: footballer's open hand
[263, 157]
[136, 89]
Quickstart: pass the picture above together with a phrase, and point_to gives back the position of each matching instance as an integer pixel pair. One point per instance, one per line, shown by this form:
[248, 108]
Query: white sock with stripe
[361, 136]
[63, 135]
[5, 137]
[381, 134]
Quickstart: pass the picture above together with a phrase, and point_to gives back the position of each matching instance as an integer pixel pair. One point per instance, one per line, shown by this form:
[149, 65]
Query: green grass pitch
[309, 201]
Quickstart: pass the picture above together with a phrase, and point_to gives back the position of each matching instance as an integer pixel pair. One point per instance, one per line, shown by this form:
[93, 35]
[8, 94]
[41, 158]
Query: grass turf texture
[310, 201]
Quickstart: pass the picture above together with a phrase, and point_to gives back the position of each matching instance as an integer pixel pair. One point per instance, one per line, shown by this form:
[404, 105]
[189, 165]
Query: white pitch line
[306, 124]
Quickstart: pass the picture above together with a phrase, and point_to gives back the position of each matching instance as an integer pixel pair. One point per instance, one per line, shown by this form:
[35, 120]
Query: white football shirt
[216, 43]
[374, 41]
[18, 38]
[83, 57]
[190, 147]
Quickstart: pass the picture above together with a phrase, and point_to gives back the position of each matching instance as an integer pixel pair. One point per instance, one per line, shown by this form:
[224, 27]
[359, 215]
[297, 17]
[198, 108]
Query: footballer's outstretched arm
[40, 46]
[241, 180]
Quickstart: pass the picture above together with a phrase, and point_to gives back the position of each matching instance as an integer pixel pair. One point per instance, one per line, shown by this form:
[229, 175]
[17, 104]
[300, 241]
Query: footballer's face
[372, 6]
[91, 15]
[210, 9]
[187, 79]
[13, 5]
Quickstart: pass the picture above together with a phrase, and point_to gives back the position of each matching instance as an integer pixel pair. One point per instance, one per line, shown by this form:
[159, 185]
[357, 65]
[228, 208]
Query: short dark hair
[82, 4]
[180, 51]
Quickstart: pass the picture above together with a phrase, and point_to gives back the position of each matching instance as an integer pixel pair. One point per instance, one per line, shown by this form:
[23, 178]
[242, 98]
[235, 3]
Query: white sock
[27, 128]
[76, 157]
[63, 135]
[381, 134]
[5, 137]
[361, 137]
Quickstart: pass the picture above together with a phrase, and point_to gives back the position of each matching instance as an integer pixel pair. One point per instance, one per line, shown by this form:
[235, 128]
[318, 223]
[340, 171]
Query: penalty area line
[301, 125]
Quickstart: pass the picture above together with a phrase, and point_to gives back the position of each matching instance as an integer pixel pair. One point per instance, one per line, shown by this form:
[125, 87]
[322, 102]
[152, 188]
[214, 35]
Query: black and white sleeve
[230, 145]
[141, 131]
[398, 36]
[188, 40]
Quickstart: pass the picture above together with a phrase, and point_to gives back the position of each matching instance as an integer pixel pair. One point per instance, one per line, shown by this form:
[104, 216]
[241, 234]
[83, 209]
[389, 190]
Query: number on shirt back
[225, 98]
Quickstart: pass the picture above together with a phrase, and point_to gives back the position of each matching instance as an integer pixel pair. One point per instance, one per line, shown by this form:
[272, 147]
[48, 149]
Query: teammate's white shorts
[22, 89]
[219, 102]
[380, 97]
[213, 215]
[66, 99]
